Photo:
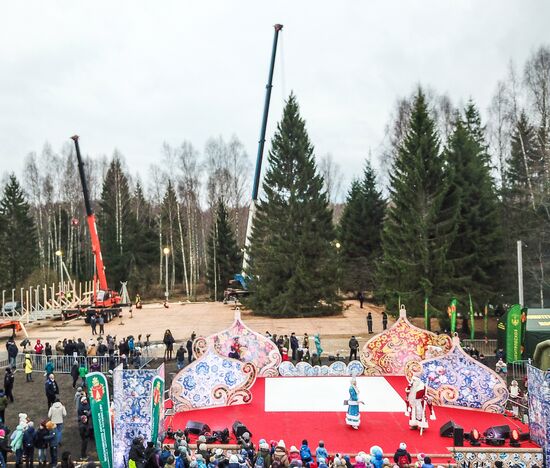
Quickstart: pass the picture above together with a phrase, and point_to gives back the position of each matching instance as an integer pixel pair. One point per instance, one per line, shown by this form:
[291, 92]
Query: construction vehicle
[104, 301]
[238, 285]
[237, 288]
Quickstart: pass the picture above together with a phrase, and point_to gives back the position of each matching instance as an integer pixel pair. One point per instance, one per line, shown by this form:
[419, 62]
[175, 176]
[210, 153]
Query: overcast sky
[132, 74]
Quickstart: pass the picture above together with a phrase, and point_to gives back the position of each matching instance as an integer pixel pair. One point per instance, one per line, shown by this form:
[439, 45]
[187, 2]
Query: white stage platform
[327, 394]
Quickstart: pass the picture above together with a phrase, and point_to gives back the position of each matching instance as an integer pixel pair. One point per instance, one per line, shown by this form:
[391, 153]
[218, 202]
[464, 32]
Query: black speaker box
[458, 436]
[198, 428]
[239, 429]
[447, 429]
[497, 432]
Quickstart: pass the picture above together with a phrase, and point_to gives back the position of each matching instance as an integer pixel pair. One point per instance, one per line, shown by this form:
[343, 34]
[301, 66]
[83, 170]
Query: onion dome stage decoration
[251, 347]
[213, 380]
[389, 352]
[458, 380]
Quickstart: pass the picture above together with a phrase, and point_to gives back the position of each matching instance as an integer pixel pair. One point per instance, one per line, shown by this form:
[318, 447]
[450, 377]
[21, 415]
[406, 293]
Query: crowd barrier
[64, 364]
[486, 347]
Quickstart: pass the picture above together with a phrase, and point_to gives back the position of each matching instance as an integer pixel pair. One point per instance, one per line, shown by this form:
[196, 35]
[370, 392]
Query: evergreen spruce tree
[144, 255]
[115, 224]
[18, 240]
[476, 252]
[224, 257]
[360, 232]
[170, 233]
[293, 263]
[419, 224]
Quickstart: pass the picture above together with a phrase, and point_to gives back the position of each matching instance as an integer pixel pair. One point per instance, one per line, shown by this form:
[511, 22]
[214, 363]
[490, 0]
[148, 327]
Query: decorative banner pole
[98, 390]
[472, 319]
[427, 324]
[486, 320]
[157, 405]
[513, 334]
[452, 314]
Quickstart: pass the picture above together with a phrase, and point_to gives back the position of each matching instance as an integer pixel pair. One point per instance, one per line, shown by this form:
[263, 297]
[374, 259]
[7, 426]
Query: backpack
[403, 460]
[260, 463]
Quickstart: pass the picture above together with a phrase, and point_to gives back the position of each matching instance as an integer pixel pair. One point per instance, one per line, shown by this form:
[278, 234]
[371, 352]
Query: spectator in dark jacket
[52, 390]
[74, 372]
[13, 350]
[28, 444]
[9, 378]
[84, 431]
[402, 457]
[137, 453]
[41, 439]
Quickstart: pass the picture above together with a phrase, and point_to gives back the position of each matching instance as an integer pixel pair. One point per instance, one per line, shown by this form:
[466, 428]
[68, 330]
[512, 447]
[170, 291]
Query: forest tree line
[440, 219]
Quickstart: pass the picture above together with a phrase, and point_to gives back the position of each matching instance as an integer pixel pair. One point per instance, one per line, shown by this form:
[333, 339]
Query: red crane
[103, 298]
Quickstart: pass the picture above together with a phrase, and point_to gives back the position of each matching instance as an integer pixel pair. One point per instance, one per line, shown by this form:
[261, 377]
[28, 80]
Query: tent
[537, 330]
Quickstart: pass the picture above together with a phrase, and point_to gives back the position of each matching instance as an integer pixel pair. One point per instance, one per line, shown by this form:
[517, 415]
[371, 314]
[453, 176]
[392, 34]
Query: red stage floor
[386, 429]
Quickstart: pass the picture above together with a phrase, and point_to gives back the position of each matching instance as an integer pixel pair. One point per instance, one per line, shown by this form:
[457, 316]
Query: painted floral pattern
[255, 347]
[389, 352]
[132, 407]
[456, 379]
[212, 380]
[304, 369]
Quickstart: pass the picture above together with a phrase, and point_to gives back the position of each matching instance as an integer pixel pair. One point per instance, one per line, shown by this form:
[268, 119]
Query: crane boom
[90, 217]
[261, 143]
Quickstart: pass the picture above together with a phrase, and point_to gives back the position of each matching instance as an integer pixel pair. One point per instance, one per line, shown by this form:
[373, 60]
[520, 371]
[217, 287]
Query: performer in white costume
[417, 403]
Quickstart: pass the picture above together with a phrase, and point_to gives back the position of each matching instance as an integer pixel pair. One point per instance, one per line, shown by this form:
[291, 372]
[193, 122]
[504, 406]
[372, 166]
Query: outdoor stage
[296, 408]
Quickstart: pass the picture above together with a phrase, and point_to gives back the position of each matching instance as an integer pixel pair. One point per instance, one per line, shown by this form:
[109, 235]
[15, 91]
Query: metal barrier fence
[64, 364]
[486, 347]
[517, 371]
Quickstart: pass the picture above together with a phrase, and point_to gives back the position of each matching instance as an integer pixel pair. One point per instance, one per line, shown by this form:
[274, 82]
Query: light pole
[338, 245]
[59, 253]
[520, 273]
[166, 252]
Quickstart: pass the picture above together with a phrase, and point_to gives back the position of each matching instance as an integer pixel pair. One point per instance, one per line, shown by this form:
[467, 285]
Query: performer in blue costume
[353, 417]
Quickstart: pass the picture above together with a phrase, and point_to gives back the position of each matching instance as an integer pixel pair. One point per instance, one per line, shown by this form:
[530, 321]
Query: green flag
[98, 391]
[157, 403]
[513, 334]
[427, 324]
[472, 319]
[452, 314]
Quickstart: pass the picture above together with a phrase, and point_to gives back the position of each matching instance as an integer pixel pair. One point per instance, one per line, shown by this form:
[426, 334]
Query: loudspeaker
[239, 429]
[447, 429]
[497, 432]
[458, 437]
[198, 428]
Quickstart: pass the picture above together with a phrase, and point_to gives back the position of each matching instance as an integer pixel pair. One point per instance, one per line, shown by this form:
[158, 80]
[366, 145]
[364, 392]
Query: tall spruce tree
[476, 252]
[143, 256]
[224, 257]
[418, 226]
[115, 224]
[360, 232]
[18, 240]
[293, 261]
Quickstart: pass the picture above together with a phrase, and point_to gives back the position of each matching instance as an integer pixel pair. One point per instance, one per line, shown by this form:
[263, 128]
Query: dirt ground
[207, 318]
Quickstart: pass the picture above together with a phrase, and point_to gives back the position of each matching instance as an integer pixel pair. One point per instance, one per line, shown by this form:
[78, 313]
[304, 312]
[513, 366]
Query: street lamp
[59, 253]
[166, 252]
[338, 245]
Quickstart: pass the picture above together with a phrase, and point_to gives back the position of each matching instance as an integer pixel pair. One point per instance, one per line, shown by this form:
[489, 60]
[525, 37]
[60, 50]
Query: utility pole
[520, 273]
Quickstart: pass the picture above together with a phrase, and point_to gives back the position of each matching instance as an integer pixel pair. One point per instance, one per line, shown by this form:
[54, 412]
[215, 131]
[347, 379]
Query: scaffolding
[45, 301]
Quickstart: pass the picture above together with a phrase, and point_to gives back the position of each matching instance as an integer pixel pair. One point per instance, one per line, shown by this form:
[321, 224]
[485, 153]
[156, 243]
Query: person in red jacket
[38, 347]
